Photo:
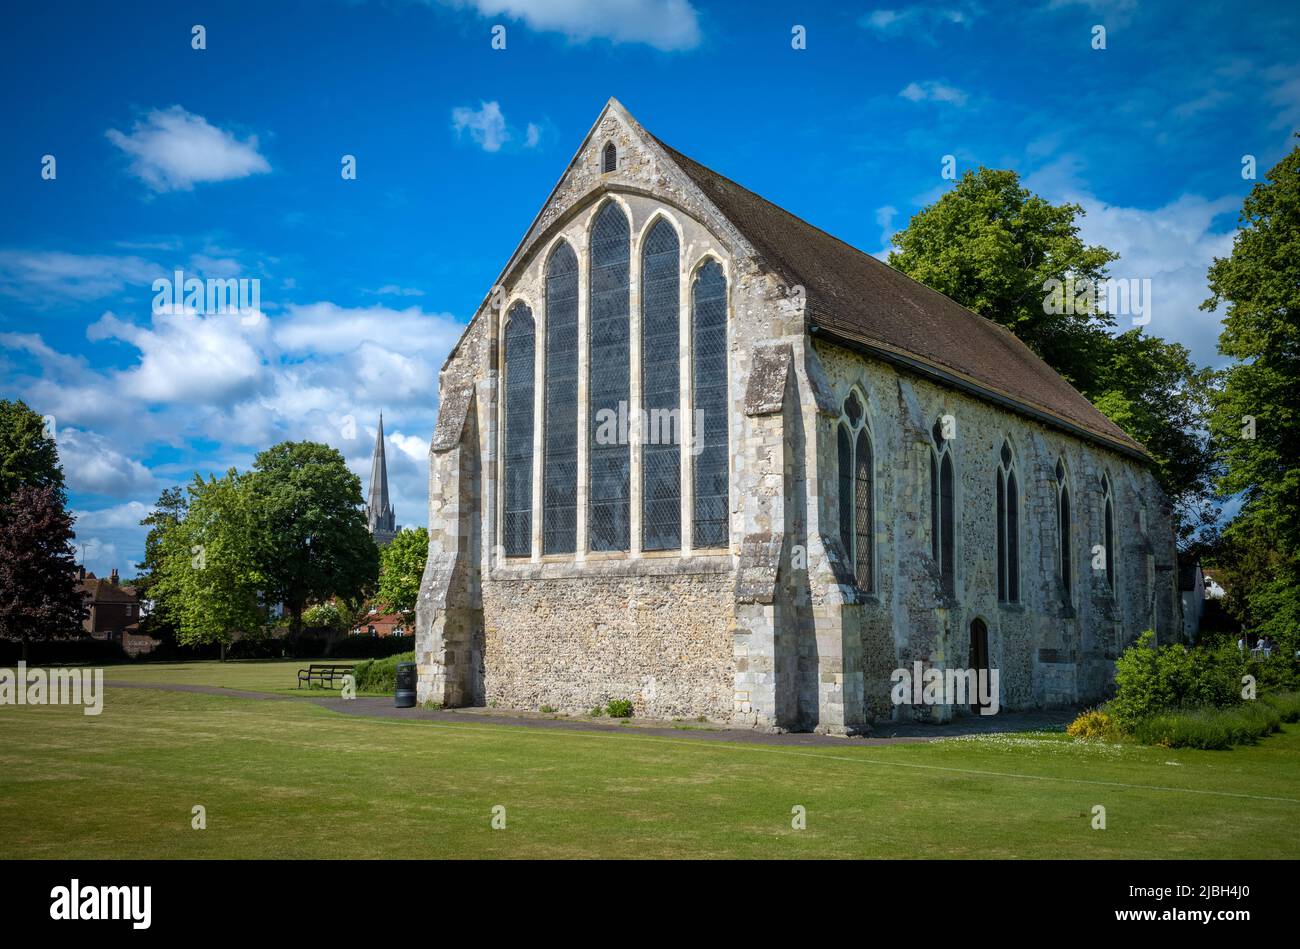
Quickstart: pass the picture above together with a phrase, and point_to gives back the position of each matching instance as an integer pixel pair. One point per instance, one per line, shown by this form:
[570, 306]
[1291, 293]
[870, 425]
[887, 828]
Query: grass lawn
[290, 779]
[255, 675]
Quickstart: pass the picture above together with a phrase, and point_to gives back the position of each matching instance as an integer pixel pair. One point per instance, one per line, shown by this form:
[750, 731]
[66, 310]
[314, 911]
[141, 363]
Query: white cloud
[52, 277]
[93, 465]
[932, 91]
[663, 24]
[1172, 246]
[207, 393]
[126, 515]
[187, 357]
[885, 218]
[486, 125]
[172, 150]
[920, 21]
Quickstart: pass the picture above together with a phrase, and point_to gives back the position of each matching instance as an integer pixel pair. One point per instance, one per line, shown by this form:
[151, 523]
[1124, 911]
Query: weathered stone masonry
[771, 630]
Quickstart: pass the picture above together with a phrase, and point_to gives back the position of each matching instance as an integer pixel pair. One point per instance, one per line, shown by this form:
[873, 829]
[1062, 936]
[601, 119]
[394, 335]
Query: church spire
[379, 512]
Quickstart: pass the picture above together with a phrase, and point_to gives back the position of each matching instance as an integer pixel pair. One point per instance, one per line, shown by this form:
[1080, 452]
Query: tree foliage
[1255, 420]
[38, 595]
[28, 455]
[207, 582]
[311, 537]
[996, 248]
[401, 568]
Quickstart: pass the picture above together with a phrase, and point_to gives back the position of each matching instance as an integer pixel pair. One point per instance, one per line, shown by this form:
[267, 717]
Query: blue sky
[225, 162]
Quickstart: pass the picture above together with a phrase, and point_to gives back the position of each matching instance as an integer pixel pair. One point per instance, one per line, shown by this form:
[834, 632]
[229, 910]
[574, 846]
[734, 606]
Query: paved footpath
[881, 733]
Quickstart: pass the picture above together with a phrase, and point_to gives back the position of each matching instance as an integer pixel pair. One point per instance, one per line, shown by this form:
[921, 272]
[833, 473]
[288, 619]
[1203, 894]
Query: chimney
[81, 572]
[113, 577]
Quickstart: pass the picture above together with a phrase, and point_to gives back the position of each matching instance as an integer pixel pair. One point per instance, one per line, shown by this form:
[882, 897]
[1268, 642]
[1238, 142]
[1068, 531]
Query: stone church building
[693, 452]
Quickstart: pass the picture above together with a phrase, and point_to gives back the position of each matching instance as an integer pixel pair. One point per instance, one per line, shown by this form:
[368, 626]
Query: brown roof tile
[855, 299]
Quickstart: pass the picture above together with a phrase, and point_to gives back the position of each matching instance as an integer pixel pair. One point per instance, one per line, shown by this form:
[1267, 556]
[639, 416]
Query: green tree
[168, 510]
[312, 540]
[1255, 421]
[325, 615]
[992, 246]
[38, 595]
[28, 454]
[401, 568]
[208, 583]
[996, 248]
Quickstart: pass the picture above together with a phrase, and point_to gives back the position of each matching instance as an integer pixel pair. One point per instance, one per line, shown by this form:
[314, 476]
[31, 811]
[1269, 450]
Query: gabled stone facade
[774, 629]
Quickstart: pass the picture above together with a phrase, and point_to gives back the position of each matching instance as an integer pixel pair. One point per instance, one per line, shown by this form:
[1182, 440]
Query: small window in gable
[609, 157]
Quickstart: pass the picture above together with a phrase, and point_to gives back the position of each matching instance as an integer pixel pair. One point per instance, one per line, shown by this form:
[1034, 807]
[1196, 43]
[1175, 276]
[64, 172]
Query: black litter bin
[404, 697]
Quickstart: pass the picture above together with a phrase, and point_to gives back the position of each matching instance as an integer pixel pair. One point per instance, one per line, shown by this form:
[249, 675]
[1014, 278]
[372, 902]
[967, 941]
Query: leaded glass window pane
[608, 521]
[864, 527]
[1110, 544]
[1013, 539]
[518, 453]
[844, 448]
[1002, 536]
[1063, 510]
[560, 463]
[947, 551]
[709, 388]
[661, 473]
[934, 508]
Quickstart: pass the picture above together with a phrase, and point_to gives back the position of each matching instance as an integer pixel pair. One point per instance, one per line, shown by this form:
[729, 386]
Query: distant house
[381, 624]
[113, 612]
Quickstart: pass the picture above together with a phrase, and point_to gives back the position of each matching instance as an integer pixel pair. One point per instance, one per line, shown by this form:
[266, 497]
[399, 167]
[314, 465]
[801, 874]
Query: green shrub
[1094, 723]
[1287, 705]
[619, 708]
[547, 709]
[380, 675]
[1151, 679]
[1209, 728]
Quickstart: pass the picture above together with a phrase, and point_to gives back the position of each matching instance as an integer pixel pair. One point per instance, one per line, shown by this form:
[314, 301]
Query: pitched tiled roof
[103, 591]
[857, 300]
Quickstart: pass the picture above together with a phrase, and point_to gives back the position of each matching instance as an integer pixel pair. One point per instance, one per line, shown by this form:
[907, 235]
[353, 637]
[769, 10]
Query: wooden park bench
[323, 674]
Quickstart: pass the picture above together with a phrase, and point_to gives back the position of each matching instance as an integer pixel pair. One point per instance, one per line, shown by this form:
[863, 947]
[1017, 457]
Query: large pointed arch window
[661, 471]
[857, 480]
[609, 457]
[560, 452]
[1063, 528]
[518, 449]
[709, 404]
[943, 543]
[1008, 516]
[1108, 530]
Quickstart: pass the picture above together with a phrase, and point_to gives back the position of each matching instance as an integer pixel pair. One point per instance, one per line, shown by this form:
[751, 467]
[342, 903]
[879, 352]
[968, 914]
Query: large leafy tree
[168, 510]
[207, 582]
[401, 567]
[1256, 414]
[992, 246]
[998, 249]
[38, 595]
[27, 452]
[312, 540]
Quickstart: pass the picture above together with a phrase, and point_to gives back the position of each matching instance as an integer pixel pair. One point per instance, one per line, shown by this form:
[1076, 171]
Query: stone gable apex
[644, 167]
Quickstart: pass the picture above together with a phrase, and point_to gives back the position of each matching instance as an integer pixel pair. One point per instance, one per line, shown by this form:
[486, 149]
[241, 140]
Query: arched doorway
[979, 658]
